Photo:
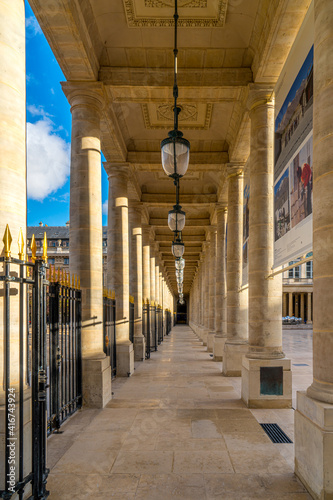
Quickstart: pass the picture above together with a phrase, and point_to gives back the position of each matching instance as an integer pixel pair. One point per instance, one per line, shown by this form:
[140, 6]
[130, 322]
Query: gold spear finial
[44, 256]
[7, 240]
[33, 247]
[79, 283]
[73, 281]
[20, 243]
[60, 276]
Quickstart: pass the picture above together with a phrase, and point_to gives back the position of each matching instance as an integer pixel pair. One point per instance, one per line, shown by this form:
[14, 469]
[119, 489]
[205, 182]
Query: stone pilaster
[134, 213]
[85, 234]
[212, 288]
[236, 343]
[221, 284]
[266, 375]
[118, 262]
[13, 210]
[146, 230]
[314, 415]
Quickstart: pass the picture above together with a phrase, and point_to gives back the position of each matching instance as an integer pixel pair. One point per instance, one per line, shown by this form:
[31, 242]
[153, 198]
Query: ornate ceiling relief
[192, 116]
[159, 13]
[171, 3]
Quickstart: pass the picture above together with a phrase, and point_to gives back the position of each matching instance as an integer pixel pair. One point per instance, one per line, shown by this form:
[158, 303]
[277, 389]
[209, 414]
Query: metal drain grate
[275, 433]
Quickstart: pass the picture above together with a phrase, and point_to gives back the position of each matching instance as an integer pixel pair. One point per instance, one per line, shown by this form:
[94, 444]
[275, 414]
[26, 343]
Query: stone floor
[177, 429]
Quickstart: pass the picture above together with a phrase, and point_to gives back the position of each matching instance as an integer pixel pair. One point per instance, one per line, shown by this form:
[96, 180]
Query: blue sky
[48, 133]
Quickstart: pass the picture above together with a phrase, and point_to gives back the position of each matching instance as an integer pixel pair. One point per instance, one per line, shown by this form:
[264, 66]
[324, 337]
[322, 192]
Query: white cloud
[32, 26]
[105, 207]
[37, 111]
[48, 159]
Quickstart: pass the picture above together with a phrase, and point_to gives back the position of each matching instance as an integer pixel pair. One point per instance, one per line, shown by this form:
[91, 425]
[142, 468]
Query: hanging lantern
[180, 263]
[175, 154]
[177, 248]
[176, 219]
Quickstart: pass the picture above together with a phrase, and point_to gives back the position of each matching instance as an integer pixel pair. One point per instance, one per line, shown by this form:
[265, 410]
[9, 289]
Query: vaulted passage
[175, 429]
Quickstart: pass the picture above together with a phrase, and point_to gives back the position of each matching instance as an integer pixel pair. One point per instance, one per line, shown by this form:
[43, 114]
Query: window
[66, 261]
[65, 243]
[309, 270]
[51, 261]
[295, 272]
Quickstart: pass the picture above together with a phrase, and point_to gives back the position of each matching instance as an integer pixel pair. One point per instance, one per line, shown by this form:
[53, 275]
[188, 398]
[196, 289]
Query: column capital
[116, 169]
[85, 94]
[260, 94]
[235, 170]
[221, 208]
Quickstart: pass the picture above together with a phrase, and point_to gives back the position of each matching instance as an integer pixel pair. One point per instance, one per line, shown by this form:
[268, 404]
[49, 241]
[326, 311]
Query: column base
[139, 348]
[218, 348]
[266, 383]
[96, 382]
[210, 341]
[314, 445]
[232, 359]
[125, 359]
[204, 334]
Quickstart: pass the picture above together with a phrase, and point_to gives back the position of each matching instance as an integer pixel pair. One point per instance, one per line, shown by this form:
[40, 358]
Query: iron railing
[32, 377]
[153, 328]
[109, 330]
[64, 393]
[131, 320]
[168, 321]
[146, 326]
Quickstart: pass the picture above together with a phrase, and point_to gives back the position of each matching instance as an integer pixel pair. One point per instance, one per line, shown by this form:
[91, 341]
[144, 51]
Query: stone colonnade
[247, 323]
[298, 304]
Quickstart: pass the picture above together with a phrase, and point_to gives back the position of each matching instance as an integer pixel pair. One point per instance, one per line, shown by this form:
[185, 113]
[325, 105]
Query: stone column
[146, 230]
[309, 309]
[314, 415]
[152, 293]
[118, 262]
[221, 285]
[134, 213]
[236, 343]
[212, 287]
[284, 305]
[302, 307]
[13, 208]
[206, 293]
[297, 305]
[266, 375]
[291, 305]
[85, 234]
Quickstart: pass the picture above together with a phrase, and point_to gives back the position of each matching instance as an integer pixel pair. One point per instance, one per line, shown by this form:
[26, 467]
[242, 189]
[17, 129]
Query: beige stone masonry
[221, 285]
[118, 261]
[236, 343]
[265, 294]
[134, 215]
[87, 102]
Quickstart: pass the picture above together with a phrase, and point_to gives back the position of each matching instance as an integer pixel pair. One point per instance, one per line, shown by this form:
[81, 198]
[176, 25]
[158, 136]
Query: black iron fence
[42, 365]
[159, 318]
[64, 371]
[153, 328]
[131, 319]
[168, 321]
[146, 326]
[109, 329]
